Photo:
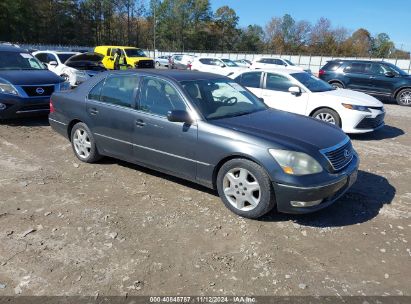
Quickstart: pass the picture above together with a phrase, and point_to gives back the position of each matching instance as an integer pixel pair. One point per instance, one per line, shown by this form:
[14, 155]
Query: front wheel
[245, 188]
[404, 97]
[337, 85]
[328, 115]
[83, 143]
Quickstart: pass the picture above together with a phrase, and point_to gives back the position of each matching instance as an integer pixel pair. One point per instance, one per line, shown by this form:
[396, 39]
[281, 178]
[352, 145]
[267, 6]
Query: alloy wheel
[405, 97]
[82, 144]
[327, 117]
[241, 189]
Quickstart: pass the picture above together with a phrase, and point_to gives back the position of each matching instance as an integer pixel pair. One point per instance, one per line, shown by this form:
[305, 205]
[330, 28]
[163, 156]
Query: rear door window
[251, 80]
[358, 68]
[331, 66]
[120, 90]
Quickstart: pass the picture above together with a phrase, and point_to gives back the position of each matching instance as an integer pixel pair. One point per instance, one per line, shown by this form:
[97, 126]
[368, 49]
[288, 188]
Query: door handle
[93, 111]
[140, 123]
[372, 77]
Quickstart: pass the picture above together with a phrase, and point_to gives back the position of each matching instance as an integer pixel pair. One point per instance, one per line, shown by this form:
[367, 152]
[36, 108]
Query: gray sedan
[208, 129]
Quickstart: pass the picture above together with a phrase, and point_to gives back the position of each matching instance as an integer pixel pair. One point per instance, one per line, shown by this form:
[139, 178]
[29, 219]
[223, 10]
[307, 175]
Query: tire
[327, 115]
[157, 64]
[404, 97]
[85, 147]
[232, 181]
[337, 85]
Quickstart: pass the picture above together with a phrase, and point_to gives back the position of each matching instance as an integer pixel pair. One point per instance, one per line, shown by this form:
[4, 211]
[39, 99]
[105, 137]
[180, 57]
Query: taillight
[51, 106]
[321, 72]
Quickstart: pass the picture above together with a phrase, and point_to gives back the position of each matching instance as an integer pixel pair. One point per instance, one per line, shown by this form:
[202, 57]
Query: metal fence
[314, 63]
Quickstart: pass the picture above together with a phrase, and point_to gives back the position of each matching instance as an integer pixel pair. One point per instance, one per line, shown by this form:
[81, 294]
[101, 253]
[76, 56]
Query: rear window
[332, 66]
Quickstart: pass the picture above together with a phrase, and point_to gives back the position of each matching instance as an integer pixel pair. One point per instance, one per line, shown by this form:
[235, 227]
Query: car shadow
[386, 132]
[360, 204]
[38, 121]
[171, 178]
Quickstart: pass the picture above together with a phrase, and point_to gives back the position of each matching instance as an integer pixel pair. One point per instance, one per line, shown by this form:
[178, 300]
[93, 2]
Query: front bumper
[362, 122]
[326, 193]
[17, 106]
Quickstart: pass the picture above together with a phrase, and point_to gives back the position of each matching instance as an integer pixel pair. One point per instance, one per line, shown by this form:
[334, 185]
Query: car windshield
[221, 98]
[135, 53]
[19, 61]
[229, 63]
[289, 62]
[64, 56]
[395, 69]
[312, 83]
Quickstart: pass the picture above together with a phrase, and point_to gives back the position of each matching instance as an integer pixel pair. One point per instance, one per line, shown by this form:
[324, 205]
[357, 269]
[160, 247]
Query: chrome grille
[339, 155]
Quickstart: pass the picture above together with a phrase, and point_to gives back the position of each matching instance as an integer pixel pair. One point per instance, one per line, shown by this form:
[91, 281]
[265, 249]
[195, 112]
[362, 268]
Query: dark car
[377, 78]
[89, 62]
[25, 84]
[210, 130]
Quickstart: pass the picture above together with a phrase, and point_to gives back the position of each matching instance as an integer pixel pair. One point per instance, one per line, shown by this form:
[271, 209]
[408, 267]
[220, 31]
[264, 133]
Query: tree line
[180, 25]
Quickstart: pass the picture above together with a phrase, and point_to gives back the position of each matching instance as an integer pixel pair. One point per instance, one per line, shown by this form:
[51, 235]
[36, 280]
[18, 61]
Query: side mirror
[53, 63]
[179, 116]
[295, 90]
[261, 99]
[389, 74]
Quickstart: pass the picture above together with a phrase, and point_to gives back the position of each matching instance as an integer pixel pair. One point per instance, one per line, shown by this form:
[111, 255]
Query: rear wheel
[337, 85]
[328, 115]
[83, 143]
[157, 64]
[245, 188]
[404, 97]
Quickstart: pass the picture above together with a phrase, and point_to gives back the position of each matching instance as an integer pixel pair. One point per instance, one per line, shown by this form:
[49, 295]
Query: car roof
[56, 52]
[273, 70]
[10, 48]
[356, 60]
[117, 46]
[176, 75]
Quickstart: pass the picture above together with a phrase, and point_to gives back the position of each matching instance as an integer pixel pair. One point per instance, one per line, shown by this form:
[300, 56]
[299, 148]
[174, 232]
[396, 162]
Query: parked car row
[264, 137]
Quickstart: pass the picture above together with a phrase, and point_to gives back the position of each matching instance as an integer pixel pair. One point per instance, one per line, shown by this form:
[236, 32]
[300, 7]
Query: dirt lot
[68, 228]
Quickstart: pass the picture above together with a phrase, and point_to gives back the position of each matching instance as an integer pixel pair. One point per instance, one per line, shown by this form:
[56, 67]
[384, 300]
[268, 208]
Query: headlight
[296, 163]
[7, 88]
[355, 107]
[64, 86]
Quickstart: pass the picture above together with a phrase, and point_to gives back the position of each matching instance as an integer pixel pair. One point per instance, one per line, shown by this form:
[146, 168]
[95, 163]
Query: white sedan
[55, 62]
[222, 66]
[305, 94]
[276, 63]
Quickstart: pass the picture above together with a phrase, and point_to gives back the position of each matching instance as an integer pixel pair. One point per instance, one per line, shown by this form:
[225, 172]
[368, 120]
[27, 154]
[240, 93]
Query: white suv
[55, 62]
[220, 66]
[275, 63]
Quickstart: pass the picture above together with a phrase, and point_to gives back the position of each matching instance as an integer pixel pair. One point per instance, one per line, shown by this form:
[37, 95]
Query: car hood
[30, 77]
[286, 129]
[352, 97]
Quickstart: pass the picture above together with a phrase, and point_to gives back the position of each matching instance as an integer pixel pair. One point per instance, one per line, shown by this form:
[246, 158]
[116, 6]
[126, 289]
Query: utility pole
[154, 30]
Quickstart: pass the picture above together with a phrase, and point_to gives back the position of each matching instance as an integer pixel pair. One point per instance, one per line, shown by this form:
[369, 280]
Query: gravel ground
[112, 228]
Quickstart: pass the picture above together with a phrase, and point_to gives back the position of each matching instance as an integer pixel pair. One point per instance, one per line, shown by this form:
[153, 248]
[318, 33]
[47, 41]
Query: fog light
[305, 204]
[2, 106]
